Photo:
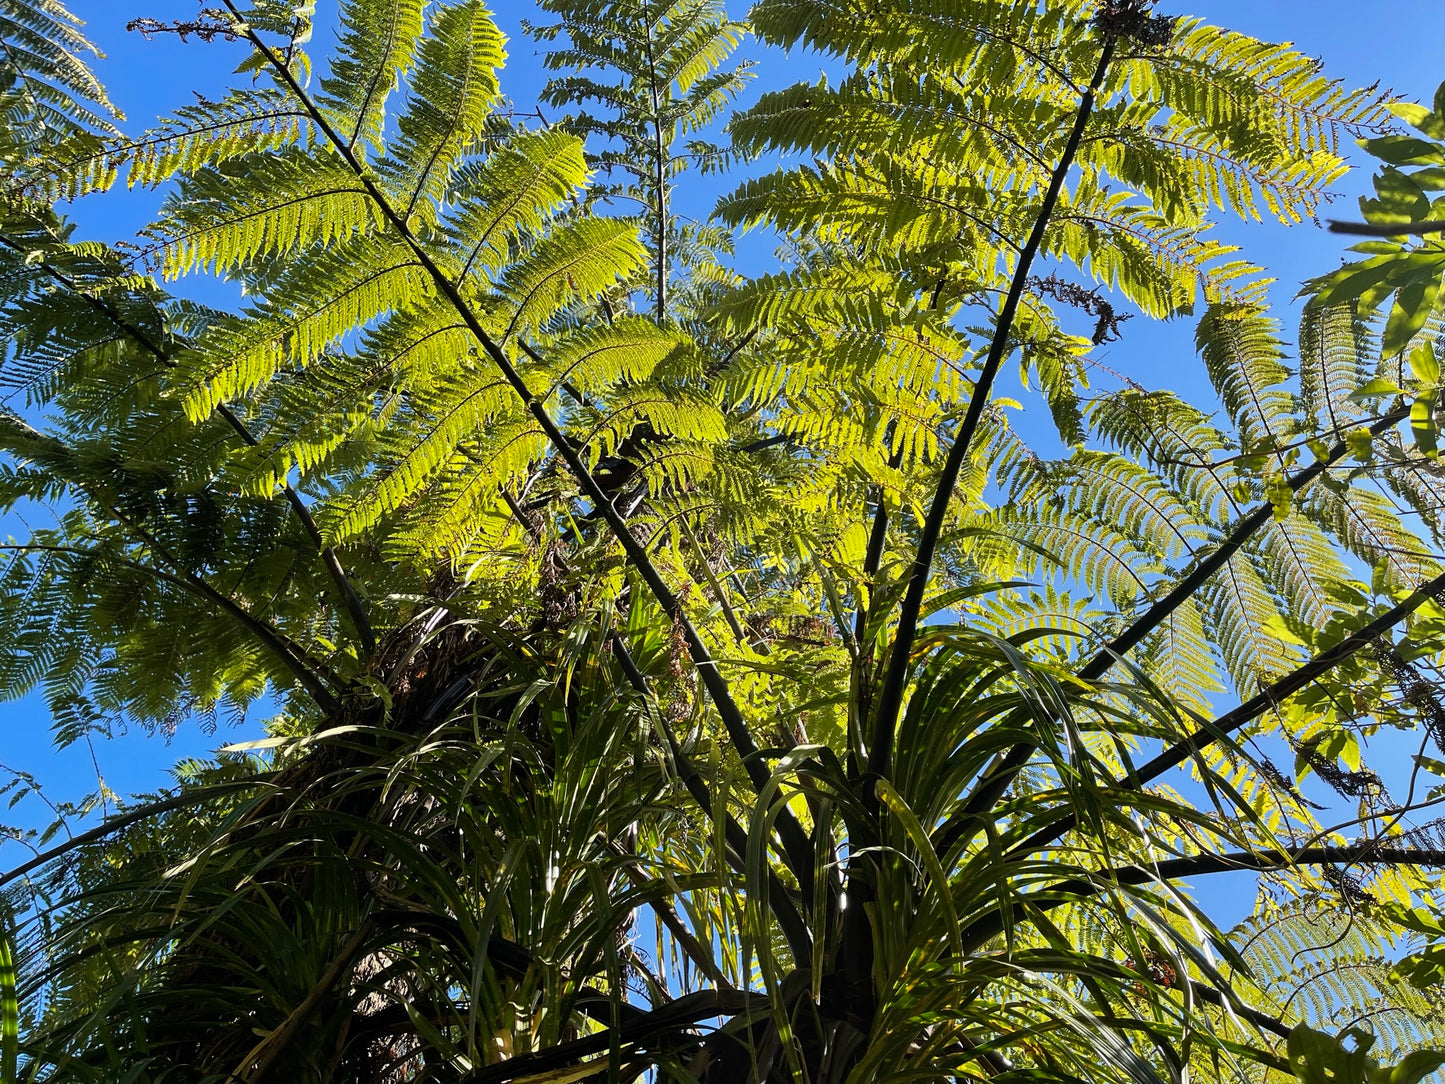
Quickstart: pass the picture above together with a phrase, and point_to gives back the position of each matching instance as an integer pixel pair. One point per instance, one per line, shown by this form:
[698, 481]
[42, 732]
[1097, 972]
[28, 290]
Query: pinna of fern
[431, 926]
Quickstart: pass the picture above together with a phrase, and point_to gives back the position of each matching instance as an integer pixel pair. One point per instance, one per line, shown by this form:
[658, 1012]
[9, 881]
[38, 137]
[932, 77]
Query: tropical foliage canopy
[693, 665]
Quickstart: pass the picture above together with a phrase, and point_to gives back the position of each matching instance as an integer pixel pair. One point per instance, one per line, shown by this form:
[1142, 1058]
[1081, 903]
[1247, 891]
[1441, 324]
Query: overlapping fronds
[51, 100]
[378, 46]
[580, 561]
[637, 78]
[1332, 966]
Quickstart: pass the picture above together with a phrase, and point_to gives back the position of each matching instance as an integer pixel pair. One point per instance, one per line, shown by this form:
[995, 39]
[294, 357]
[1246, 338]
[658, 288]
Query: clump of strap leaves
[687, 667]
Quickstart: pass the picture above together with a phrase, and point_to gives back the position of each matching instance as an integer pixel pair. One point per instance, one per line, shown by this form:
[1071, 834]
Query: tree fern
[597, 578]
[655, 70]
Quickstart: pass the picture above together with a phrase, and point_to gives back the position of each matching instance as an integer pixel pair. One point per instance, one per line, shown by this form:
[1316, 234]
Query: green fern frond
[580, 260]
[51, 101]
[319, 303]
[450, 96]
[376, 50]
[511, 194]
[259, 206]
[1243, 355]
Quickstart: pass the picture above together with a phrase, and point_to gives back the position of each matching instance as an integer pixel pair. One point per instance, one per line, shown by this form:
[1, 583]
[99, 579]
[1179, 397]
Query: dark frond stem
[1262, 1020]
[795, 931]
[1391, 229]
[737, 348]
[354, 606]
[890, 699]
[863, 672]
[352, 601]
[767, 442]
[1152, 618]
[1251, 709]
[991, 789]
[700, 957]
[795, 841]
[278, 1041]
[1372, 853]
[729, 613]
[669, 1024]
[274, 640]
[877, 539]
[1062, 893]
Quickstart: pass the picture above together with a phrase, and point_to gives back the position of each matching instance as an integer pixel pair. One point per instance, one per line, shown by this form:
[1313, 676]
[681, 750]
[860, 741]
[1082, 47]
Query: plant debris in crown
[1349, 888]
[1131, 19]
[213, 23]
[1091, 302]
[1359, 784]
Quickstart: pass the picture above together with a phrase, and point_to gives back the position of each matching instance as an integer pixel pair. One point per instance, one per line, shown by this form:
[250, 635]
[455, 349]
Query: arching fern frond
[51, 101]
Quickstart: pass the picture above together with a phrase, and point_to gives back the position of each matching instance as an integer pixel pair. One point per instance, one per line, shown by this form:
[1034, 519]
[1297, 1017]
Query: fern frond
[581, 260]
[1242, 353]
[319, 302]
[257, 206]
[50, 99]
[450, 95]
[377, 48]
[511, 194]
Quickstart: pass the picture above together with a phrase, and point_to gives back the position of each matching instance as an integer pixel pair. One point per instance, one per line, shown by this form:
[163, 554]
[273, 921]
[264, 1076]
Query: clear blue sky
[1396, 43]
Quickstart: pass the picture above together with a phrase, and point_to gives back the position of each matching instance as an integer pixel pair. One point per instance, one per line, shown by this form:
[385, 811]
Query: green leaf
[1352, 280]
[1279, 494]
[1362, 443]
[1416, 1066]
[1412, 308]
[1402, 150]
[1397, 199]
[1422, 424]
[1435, 767]
[1281, 628]
[9, 1010]
[1417, 918]
[1420, 118]
[1319, 1058]
[1431, 179]
[1374, 388]
[1424, 364]
[1424, 969]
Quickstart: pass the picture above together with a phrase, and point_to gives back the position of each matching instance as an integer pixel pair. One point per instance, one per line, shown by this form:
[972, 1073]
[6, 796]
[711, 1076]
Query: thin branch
[672, 1021]
[292, 657]
[124, 820]
[1398, 229]
[334, 568]
[1001, 777]
[739, 633]
[1251, 709]
[895, 681]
